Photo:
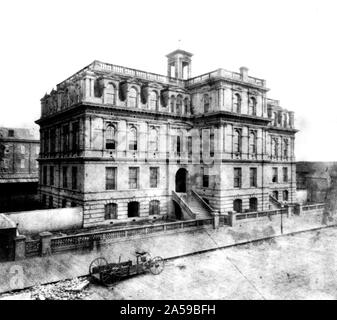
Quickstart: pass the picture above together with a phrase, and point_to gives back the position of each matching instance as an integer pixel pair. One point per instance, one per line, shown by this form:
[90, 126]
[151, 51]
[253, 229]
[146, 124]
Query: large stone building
[19, 150]
[129, 144]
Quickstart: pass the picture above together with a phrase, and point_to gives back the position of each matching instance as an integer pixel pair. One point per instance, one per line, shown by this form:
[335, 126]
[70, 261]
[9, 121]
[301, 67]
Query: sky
[291, 44]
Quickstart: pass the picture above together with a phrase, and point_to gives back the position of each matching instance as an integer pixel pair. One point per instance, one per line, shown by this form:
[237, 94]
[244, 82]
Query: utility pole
[282, 218]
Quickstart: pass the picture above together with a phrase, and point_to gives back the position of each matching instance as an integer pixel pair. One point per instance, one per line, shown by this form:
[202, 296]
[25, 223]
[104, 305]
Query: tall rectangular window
[285, 174]
[75, 136]
[22, 163]
[178, 146]
[51, 175]
[111, 178]
[211, 148]
[237, 177]
[65, 137]
[275, 175]
[154, 177]
[133, 177]
[45, 175]
[189, 147]
[65, 177]
[52, 140]
[74, 178]
[253, 177]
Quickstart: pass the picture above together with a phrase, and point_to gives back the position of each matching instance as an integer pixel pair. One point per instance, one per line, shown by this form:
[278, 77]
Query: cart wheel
[97, 264]
[156, 265]
[108, 278]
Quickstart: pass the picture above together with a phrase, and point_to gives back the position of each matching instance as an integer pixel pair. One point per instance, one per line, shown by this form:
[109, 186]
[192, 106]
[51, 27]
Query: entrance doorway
[181, 180]
[133, 209]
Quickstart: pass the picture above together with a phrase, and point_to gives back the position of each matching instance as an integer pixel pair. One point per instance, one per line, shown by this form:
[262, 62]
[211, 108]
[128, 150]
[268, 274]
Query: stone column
[20, 247]
[45, 242]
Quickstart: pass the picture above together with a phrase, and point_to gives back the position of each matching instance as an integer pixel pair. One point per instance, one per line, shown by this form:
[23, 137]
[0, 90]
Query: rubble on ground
[64, 290]
[74, 289]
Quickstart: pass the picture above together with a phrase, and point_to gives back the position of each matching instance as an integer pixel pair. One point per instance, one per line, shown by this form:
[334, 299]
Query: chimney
[244, 73]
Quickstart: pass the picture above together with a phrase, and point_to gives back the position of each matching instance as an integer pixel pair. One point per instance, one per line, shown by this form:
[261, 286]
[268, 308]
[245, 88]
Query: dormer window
[110, 93]
[132, 98]
[153, 100]
[206, 103]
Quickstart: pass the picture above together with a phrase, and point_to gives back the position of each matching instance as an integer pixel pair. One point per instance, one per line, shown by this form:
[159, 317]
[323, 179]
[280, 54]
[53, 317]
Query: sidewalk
[40, 270]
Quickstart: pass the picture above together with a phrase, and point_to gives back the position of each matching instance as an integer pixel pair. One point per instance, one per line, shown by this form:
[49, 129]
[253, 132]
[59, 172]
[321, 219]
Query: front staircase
[192, 205]
[276, 204]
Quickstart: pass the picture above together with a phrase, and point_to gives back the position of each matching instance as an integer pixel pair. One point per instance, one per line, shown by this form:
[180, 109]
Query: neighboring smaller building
[19, 149]
[318, 180]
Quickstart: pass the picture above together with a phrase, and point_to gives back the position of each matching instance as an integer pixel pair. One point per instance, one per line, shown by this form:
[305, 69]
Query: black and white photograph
[168, 150]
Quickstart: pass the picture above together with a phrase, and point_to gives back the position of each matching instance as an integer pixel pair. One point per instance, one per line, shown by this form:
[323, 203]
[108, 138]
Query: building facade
[128, 144]
[19, 150]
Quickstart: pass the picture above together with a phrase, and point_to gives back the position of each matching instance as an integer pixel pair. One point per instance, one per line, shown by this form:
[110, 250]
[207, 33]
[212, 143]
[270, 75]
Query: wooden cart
[109, 273]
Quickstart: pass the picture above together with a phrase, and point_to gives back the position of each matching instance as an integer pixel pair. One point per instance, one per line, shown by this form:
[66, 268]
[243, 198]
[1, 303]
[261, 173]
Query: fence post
[20, 247]
[216, 221]
[45, 242]
[231, 219]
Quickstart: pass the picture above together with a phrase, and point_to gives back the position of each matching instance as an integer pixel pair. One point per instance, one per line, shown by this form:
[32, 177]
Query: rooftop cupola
[179, 64]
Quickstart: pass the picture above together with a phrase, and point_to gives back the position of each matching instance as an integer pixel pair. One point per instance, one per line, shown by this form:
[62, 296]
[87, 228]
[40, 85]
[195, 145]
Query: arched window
[285, 148]
[253, 204]
[237, 141]
[237, 103]
[252, 142]
[275, 194]
[237, 205]
[133, 138]
[274, 147]
[172, 103]
[206, 103]
[186, 106]
[132, 98]
[285, 195]
[110, 211]
[110, 137]
[252, 106]
[179, 104]
[153, 100]
[153, 139]
[110, 94]
[154, 207]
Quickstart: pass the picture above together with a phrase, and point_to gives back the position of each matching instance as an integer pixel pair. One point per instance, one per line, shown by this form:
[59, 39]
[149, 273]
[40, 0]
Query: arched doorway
[181, 180]
[133, 209]
[177, 211]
